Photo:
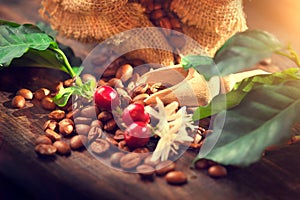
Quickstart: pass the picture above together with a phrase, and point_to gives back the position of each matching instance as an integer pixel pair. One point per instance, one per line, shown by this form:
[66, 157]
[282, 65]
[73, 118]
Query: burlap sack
[98, 26]
[209, 22]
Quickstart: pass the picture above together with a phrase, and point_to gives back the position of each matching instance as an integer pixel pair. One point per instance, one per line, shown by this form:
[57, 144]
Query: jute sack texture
[209, 22]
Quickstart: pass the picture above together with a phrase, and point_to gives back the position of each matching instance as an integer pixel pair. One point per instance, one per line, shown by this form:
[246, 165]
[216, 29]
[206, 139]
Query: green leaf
[17, 40]
[203, 64]
[241, 51]
[63, 96]
[244, 50]
[47, 29]
[233, 98]
[263, 118]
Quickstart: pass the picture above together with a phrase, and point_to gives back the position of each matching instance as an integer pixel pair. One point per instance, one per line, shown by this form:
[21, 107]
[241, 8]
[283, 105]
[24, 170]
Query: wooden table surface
[23, 175]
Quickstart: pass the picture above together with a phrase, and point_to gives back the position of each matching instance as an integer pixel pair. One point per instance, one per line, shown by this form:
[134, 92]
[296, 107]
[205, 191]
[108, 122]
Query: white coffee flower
[171, 128]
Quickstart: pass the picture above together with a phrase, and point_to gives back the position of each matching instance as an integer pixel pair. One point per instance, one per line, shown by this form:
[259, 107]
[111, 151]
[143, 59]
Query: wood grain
[81, 176]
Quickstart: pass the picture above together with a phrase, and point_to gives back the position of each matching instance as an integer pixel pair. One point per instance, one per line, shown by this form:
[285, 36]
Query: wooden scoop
[188, 87]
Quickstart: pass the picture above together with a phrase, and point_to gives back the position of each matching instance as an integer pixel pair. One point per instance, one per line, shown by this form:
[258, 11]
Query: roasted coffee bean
[115, 82]
[88, 77]
[72, 113]
[99, 146]
[57, 115]
[142, 151]
[115, 158]
[27, 94]
[140, 97]
[176, 178]
[45, 149]
[97, 123]
[109, 72]
[148, 161]
[59, 86]
[165, 23]
[175, 23]
[18, 102]
[119, 137]
[50, 124]
[66, 127]
[110, 125]
[201, 164]
[111, 141]
[68, 82]
[82, 129]
[62, 147]
[43, 140]
[48, 104]
[157, 14]
[217, 171]
[137, 62]
[141, 89]
[164, 167]
[89, 112]
[94, 133]
[78, 141]
[83, 120]
[124, 73]
[145, 171]
[41, 93]
[101, 82]
[52, 135]
[130, 161]
[105, 116]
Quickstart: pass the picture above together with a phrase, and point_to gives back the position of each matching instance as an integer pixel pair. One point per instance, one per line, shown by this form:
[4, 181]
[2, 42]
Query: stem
[292, 55]
[68, 66]
[66, 62]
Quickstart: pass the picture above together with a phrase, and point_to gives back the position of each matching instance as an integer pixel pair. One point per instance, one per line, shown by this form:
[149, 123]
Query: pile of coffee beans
[159, 13]
[82, 124]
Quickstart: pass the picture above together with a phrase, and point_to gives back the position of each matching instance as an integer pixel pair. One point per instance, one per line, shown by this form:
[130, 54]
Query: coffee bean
[105, 116]
[27, 94]
[148, 161]
[87, 77]
[57, 115]
[68, 82]
[111, 141]
[18, 102]
[62, 147]
[165, 23]
[43, 140]
[119, 137]
[50, 124]
[145, 171]
[48, 104]
[116, 83]
[89, 112]
[142, 151]
[52, 135]
[94, 133]
[124, 73]
[45, 149]
[175, 23]
[97, 123]
[165, 167]
[130, 161]
[217, 171]
[157, 14]
[66, 127]
[140, 97]
[72, 113]
[176, 178]
[41, 93]
[82, 129]
[110, 125]
[99, 146]
[201, 164]
[59, 86]
[122, 146]
[78, 141]
[115, 158]
[82, 120]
